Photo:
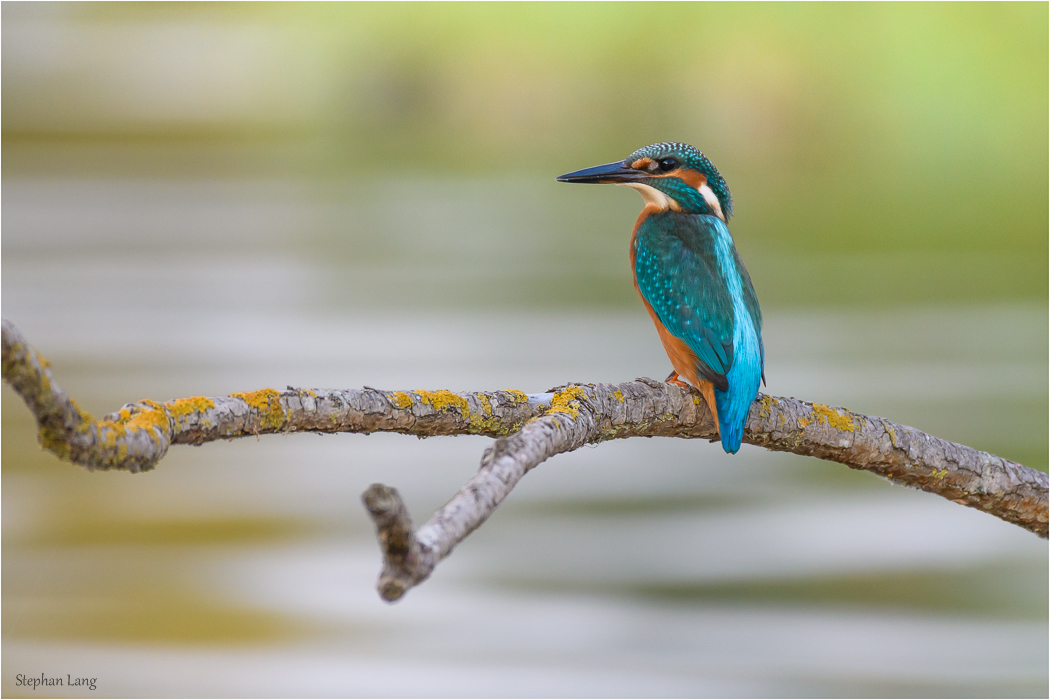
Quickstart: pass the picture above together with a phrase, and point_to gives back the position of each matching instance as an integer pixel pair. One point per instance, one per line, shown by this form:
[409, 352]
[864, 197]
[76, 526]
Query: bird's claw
[672, 378]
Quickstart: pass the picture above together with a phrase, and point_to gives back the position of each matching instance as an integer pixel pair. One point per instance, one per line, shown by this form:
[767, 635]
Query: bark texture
[530, 429]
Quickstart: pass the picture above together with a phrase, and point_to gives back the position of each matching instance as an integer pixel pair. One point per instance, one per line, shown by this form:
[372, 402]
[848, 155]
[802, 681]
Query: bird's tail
[731, 419]
[732, 436]
[743, 379]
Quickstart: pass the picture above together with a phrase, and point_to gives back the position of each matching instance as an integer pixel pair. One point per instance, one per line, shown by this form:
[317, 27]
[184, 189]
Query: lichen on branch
[530, 429]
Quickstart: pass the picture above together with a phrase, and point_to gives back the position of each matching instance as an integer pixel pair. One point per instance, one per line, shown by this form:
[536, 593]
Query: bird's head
[672, 176]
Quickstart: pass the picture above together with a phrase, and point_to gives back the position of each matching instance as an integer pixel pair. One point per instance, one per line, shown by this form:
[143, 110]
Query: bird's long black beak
[610, 172]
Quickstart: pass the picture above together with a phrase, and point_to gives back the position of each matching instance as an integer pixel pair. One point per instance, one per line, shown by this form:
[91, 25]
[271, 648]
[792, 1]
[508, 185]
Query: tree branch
[529, 428]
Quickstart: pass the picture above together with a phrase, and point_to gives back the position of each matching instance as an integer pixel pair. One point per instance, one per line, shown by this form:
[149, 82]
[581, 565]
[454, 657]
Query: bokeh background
[209, 198]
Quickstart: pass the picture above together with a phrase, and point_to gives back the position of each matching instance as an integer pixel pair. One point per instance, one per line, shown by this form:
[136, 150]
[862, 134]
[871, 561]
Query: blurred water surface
[642, 567]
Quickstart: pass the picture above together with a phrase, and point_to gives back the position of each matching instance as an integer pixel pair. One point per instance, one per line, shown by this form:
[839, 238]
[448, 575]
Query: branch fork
[530, 428]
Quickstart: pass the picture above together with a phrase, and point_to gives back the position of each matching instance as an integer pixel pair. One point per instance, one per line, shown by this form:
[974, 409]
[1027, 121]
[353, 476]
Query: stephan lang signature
[52, 681]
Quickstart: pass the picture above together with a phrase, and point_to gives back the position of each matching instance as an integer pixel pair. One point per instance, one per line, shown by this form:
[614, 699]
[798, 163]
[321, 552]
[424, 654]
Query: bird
[691, 278]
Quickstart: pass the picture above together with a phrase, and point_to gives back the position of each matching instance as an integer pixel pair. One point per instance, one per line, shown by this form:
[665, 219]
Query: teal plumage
[691, 277]
[673, 266]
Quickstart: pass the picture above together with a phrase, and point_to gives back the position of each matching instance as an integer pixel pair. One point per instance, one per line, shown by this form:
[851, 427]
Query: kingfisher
[691, 278]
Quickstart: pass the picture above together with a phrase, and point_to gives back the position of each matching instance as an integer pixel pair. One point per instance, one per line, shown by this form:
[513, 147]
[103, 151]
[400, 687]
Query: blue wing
[678, 272]
[751, 304]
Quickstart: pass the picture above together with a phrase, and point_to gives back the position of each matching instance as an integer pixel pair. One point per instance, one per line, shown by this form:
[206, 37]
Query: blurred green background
[878, 154]
[201, 198]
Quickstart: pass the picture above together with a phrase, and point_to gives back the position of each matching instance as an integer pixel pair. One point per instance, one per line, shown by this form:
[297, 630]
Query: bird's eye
[667, 164]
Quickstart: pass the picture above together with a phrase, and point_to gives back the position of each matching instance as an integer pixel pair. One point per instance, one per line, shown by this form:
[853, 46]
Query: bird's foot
[672, 378]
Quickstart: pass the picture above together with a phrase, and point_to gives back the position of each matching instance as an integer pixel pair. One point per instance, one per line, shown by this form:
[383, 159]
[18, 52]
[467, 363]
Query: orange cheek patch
[689, 177]
[642, 163]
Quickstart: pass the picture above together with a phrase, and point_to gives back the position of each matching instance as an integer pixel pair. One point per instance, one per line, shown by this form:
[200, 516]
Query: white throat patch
[653, 197]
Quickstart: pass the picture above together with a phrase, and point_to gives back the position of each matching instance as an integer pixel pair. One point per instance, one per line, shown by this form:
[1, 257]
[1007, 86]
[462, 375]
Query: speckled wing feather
[678, 274]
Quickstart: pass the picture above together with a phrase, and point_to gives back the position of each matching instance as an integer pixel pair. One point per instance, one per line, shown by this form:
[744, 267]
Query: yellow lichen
[54, 441]
[180, 408]
[829, 416]
[567, 401]
[184, 407]
[444, 399]
[85, 418]
[41, 360]
[110, 430]
[619, 395]
[483, 421]
[891, 432]
[519, 396]
[765, 406]
[153, 418]
[803, 422]
[267, 402]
